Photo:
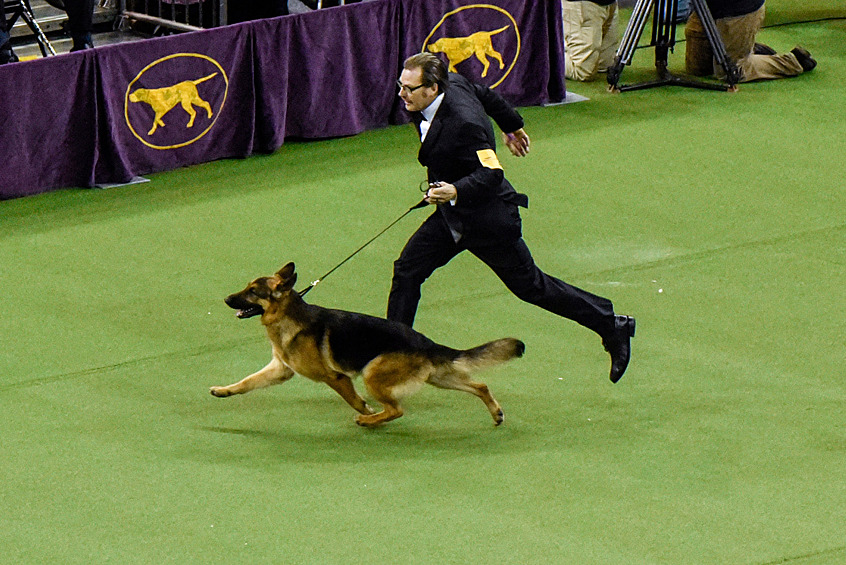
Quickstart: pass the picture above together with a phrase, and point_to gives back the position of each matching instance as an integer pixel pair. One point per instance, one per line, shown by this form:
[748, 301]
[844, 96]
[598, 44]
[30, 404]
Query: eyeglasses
[408, 89]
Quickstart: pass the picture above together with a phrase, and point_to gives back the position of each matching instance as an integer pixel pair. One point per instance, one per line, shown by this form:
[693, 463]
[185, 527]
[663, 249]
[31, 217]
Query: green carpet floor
[714, 218]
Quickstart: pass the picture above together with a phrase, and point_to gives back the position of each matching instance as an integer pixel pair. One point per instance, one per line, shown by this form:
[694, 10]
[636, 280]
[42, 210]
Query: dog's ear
[287, 272]
[287, 278]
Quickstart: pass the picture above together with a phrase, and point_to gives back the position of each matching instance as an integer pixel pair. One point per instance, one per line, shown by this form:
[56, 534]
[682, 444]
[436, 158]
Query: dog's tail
[204, 79]
[490, 354]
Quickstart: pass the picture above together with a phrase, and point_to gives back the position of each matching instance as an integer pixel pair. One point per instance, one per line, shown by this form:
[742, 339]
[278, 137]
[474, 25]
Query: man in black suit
[477, 208]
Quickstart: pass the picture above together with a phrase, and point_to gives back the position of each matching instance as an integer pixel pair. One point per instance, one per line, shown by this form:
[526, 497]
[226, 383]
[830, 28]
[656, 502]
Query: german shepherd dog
[331, 346]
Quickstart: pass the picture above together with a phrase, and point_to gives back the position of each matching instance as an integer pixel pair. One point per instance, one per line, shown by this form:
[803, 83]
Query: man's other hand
[517, 142]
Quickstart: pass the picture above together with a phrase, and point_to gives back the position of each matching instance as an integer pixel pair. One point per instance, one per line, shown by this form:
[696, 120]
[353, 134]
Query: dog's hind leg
[203, 104]
[389, 378]
[343, 385]
[274, 373]
[458, 380]
[489, 50]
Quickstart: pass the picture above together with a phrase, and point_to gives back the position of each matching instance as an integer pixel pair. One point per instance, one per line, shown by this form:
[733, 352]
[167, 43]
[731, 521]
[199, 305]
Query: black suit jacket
[458, 150]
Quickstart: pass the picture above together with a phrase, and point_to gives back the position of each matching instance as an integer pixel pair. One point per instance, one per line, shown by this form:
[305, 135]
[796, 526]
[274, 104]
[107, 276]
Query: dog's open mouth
[243, 308]
[250, 312]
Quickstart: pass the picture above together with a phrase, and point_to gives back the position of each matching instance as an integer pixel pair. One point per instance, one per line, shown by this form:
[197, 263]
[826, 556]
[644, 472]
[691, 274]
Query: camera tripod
[663, 39]
[21, 9]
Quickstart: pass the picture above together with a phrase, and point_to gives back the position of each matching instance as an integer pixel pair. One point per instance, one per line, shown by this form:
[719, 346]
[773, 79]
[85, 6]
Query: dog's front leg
[276, 372]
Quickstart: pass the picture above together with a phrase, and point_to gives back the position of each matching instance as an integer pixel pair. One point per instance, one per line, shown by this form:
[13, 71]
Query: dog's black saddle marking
[356, 339]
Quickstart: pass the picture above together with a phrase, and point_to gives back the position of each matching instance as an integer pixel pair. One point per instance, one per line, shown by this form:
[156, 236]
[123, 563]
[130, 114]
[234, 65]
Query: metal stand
[21, 9]
[663, 39]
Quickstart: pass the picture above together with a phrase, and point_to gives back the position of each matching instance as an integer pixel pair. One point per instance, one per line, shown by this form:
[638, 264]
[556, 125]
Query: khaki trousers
[738, 35]
[591, 37]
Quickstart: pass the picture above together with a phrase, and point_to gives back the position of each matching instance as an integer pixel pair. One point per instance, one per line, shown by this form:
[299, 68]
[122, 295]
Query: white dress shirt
[429, 115]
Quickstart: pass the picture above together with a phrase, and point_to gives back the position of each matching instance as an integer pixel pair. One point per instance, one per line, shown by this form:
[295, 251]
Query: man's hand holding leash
[441, 193]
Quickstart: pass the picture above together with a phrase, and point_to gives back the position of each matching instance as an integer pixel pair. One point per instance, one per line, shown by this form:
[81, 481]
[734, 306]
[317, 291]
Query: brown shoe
[808, 63]
[763, 49]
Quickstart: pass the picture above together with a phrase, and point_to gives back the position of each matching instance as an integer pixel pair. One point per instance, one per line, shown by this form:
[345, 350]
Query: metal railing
[189, 15]
[171, 15]
[176, 15]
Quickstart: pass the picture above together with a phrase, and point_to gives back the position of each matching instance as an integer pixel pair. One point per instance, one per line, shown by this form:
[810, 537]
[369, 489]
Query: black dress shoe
[618, 344]
[808, 63]
[7, 55]
[82, 42]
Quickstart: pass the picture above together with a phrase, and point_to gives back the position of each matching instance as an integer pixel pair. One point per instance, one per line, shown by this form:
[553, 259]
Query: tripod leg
[663, 39]
[664, 33]
[629, 42]
[43, 43]
[716, 41]
[664, 26]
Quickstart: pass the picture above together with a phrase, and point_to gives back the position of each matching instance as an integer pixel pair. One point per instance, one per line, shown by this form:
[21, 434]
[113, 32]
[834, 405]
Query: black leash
[420, 204]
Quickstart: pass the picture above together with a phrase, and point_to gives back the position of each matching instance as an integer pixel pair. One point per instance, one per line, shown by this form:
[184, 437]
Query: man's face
[416, 96]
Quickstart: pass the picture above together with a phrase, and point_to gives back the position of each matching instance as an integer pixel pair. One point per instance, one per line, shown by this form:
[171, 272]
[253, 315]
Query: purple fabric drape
[326, 73]
[141, 107]
[505, 44]
[48, 124]
[180, 100]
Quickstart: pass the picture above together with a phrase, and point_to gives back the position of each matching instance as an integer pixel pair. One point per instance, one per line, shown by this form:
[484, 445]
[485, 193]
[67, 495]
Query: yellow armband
[488, 159]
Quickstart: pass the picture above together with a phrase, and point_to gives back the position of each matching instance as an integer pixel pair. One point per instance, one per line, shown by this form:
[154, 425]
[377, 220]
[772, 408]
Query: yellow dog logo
[459, 49]
[142, 104]
[163, 100]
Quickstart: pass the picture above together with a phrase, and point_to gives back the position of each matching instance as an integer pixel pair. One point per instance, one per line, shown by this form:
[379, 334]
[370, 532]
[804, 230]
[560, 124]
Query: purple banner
[155, 105]
[513, 46]
[48, 135]
[327, 73]
[180, 100]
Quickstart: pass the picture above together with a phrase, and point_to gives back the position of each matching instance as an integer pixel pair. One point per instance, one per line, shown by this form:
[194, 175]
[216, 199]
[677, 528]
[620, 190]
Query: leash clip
[308, 288]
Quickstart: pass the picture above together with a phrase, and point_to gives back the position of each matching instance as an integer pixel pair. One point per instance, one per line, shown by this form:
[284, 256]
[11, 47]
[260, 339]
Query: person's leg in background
[738, 35]
[80, 23]
[610, 38]
[6, 53]
[698, 55]
[739, 38]
[583, 23]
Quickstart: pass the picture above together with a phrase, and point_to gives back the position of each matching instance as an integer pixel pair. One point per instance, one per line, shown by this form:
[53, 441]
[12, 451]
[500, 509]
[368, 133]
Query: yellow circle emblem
[158, 102]
[478, 44]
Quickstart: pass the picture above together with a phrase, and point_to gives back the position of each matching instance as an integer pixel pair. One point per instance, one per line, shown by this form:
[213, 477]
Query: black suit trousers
[432, 246]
